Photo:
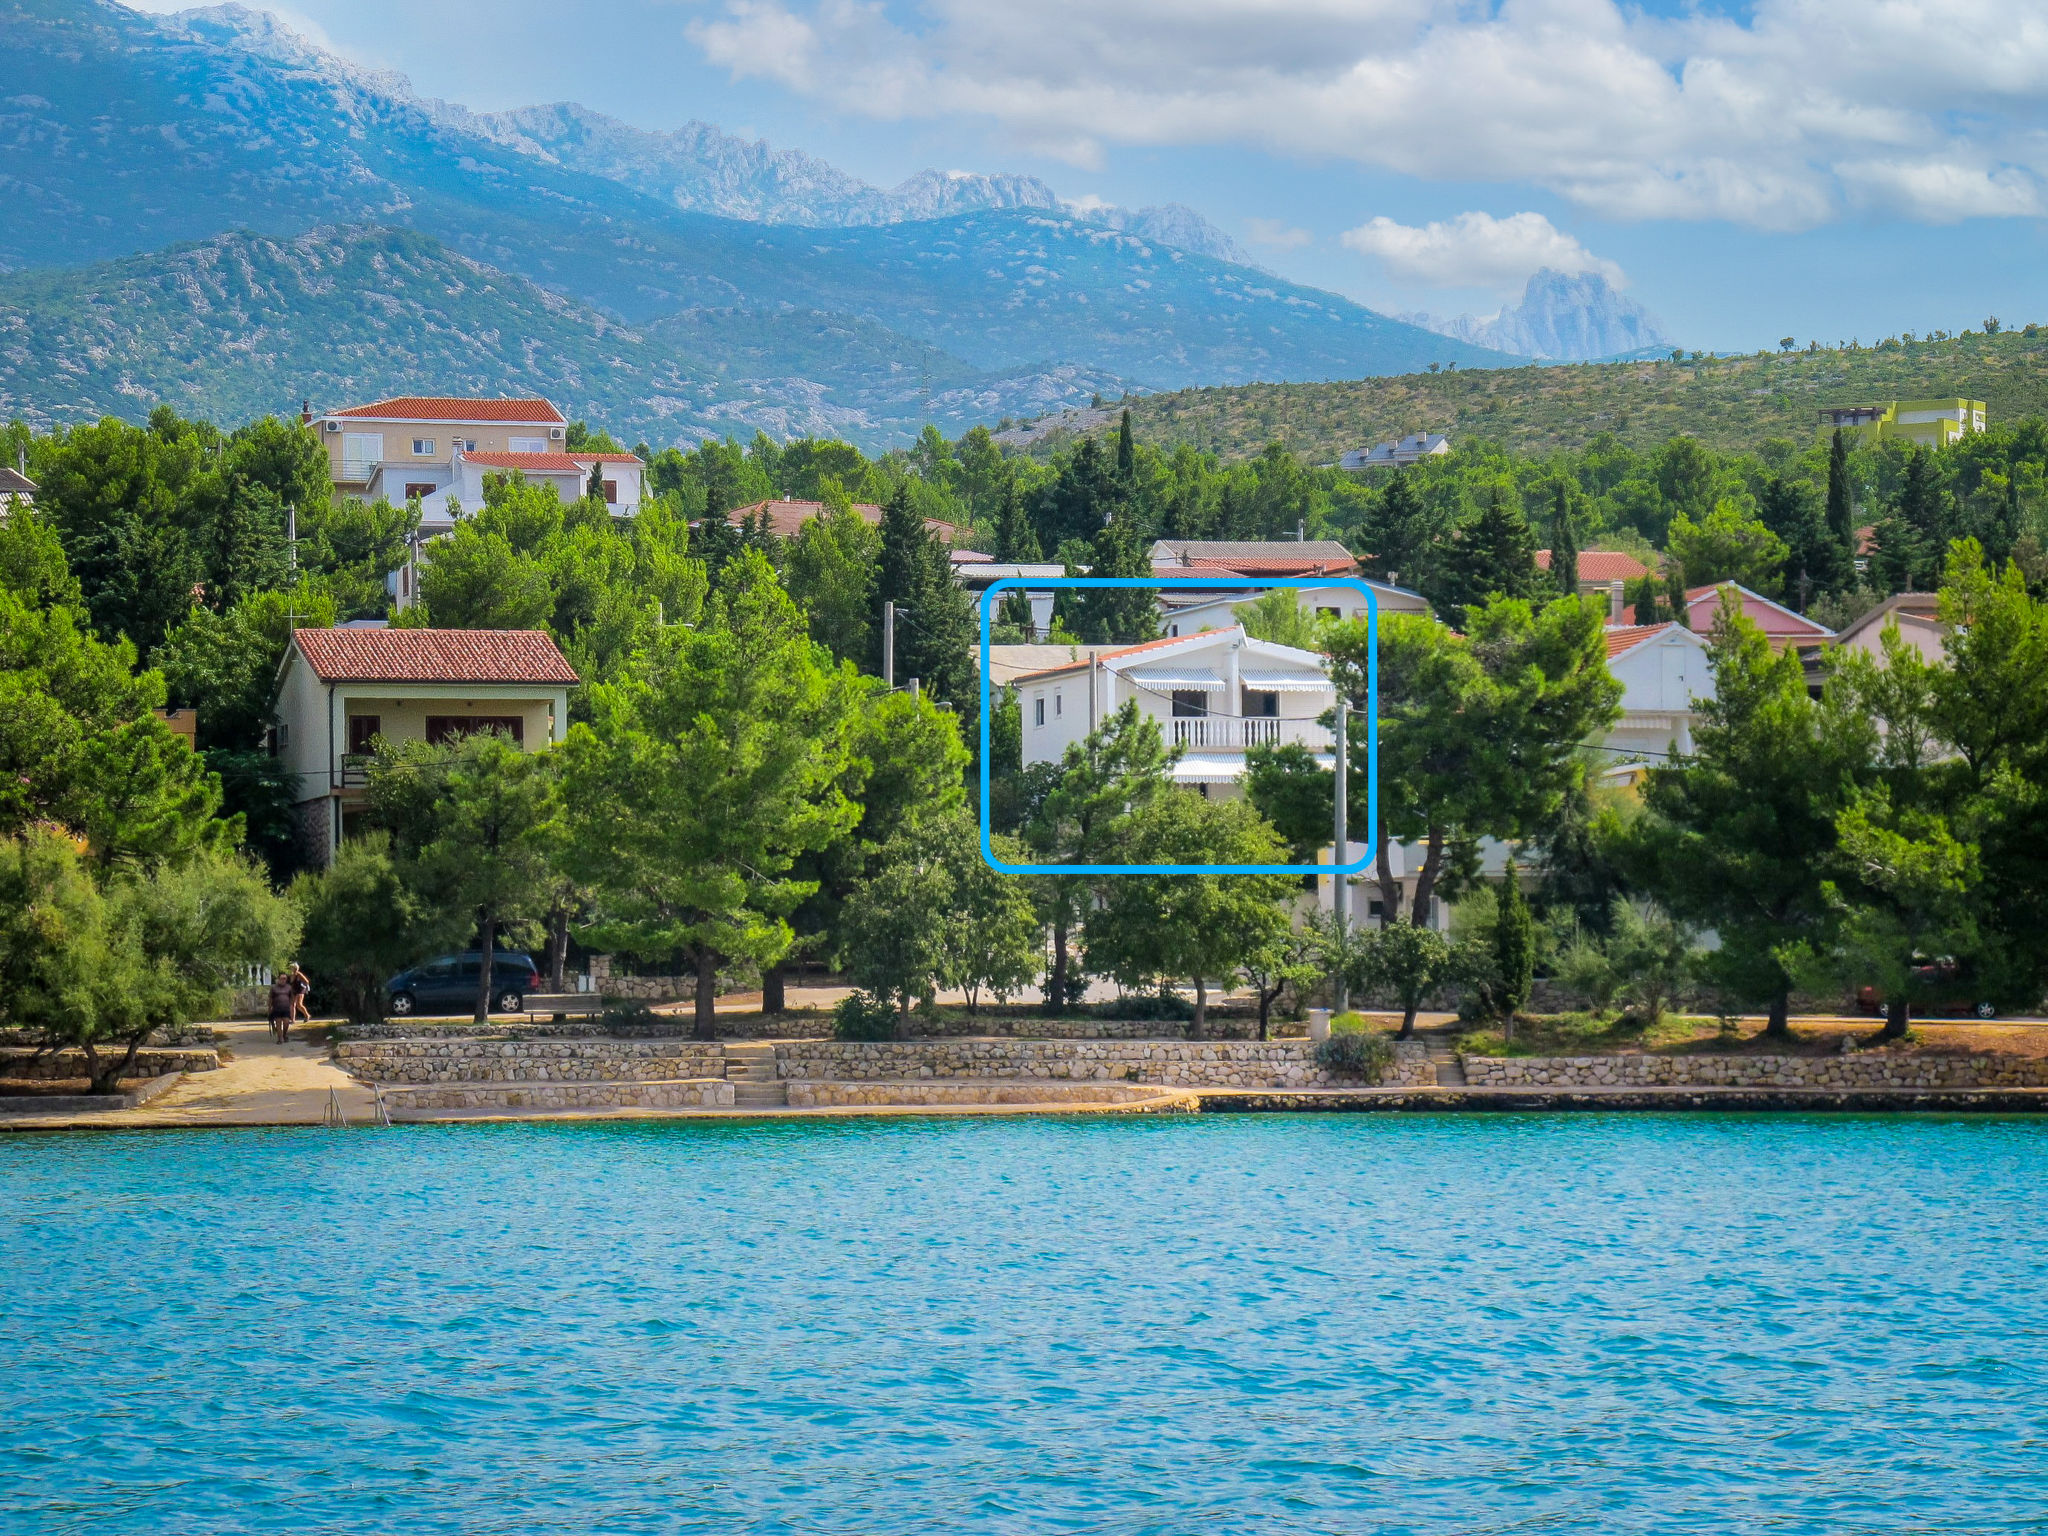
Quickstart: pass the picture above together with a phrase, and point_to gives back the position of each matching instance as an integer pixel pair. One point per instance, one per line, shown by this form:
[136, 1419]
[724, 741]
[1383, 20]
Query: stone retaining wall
[150, 1061]
[1030, 1028]
[476, 1060]
[938, 1091]
[1870, 1069]
[1189, 1064]
[696, 1093]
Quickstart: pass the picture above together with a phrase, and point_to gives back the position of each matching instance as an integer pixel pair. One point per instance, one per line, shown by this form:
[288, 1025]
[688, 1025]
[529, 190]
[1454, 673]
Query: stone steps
[750, 1068]
[1443, 1060]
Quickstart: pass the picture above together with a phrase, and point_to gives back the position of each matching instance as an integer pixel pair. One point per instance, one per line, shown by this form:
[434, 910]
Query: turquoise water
[1273, 1324]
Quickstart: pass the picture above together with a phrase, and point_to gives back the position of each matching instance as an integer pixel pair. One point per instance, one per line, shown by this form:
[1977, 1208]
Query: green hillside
[1727, 403]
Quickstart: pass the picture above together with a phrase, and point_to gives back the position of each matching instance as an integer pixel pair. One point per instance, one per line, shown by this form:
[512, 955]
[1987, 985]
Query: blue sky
[1802, 167]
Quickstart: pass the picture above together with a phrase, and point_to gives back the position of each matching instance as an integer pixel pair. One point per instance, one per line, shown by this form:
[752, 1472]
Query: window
[1038, 710]
[442, 728]
[469, 445]
[1258, 702]
[611, 491]
[1189, 702]
[1057, 699]
[526, 445]
[360, 450]
[419, 490]
[1329, 613]
[423, 447]
[362, 733]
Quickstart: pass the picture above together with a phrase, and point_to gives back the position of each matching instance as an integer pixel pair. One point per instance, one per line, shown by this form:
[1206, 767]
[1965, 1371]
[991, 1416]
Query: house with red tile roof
[1782, 626]
[1605, 573]
[438, 449]
[786, 517]
[1662, 669]
[341, 691]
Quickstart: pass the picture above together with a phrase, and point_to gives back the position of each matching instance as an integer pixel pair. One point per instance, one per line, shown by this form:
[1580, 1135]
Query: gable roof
[1906, 606]
[1623, 638]
[14, 483]
[1120, 656]
[1601, 565]
[1790, 622]
[1279, 556]
[456, 408]
[433, 656]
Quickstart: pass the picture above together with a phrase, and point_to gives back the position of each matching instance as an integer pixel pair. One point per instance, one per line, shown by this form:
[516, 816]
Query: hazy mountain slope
[120, 133]
[240, 325]
[1729, 403]
[1563, 319]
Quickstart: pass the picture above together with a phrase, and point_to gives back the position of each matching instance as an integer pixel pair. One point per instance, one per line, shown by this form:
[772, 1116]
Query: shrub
[1145, 1005]
[1364, 1055]
[862, 1016]
[1352, 1023]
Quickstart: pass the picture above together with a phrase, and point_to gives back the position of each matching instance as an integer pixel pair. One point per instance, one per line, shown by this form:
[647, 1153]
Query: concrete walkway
[266, 1084]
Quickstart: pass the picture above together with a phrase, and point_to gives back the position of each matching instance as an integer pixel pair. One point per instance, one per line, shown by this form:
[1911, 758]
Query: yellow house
[1929, 423]
[341, 690]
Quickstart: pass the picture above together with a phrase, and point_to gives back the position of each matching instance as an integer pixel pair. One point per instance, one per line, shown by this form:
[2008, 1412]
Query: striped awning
[1209, 768]
[1285, 682]
[1206, 682]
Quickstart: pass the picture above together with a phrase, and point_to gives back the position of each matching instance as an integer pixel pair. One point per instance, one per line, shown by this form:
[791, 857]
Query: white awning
[1206, 682]
[1286, 682]
[1209, 768]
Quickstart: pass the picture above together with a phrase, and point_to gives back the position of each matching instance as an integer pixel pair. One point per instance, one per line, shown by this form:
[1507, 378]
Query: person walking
[301, 985]
[282, 1003]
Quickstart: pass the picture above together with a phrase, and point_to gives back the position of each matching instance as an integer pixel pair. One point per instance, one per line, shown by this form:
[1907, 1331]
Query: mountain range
[207, 208]
[1562, 318]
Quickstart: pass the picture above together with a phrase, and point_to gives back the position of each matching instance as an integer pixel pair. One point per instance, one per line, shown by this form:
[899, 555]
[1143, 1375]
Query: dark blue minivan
[448, 984]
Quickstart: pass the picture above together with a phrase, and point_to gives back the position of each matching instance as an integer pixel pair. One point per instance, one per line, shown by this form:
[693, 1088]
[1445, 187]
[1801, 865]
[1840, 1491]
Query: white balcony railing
[1233, 733]
[359, 471]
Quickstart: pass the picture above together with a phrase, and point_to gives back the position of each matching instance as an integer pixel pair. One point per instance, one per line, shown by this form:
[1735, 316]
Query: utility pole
[1340, 851]
[889, 645]
[913, 687]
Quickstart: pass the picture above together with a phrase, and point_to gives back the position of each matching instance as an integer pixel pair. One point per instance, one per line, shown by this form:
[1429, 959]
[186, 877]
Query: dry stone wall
[980, 1091]
[150, 1061]
[1176, 1063]
[1873, 1069]
[469, 1059]
[701, 1093]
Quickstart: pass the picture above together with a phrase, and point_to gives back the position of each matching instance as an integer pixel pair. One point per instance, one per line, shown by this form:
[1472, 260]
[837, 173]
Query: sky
[1823, 169]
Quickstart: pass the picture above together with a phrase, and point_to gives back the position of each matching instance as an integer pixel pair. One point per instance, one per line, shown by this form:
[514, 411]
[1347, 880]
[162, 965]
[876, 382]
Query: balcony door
[442, 728]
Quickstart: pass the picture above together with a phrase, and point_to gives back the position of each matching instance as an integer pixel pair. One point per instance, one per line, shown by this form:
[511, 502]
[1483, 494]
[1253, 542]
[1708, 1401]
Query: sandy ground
[265, 1084]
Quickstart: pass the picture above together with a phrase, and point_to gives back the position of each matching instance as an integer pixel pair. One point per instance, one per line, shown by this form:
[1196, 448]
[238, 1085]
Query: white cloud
[1276, 234]
[1476, 250]
[1796, 113]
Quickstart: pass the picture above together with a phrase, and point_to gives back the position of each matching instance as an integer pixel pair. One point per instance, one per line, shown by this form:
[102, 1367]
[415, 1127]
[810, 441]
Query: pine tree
[594, 486]
[1396, 534]
[1119, 615]
[1841, 505]
[1564, 548]
[1495, 554]
[1015, 539]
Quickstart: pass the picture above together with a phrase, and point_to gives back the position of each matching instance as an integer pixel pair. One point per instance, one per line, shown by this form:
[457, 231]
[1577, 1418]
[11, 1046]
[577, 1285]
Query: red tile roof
[1626, 637]
[1781, 620]
[454, 408]
[1601, 565]
[433, 656]
[1129, 650]
[1258, 565]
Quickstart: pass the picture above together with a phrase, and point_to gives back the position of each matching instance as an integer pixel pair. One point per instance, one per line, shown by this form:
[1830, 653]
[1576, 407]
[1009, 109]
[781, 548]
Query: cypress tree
[1564, 548]
[1674, 594]
[1645, 602]
[1514, 950]
[1126, 453]
[1841, 505]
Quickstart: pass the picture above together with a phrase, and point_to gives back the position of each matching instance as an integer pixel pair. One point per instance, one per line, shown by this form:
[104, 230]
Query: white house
[1662, 669]
[1216, 694]
[1188, 611]
[341, 690]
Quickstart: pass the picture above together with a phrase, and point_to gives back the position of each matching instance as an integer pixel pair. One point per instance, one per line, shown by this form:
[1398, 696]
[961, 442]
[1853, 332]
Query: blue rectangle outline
[1207, 584]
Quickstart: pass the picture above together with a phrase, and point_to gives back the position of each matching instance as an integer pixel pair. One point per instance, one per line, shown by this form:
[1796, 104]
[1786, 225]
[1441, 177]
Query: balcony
[357, 471]
[1233, 733]
[355, 770]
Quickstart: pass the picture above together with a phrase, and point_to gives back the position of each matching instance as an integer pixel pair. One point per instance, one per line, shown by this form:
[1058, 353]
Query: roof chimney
[305, 413]
[1614, 602]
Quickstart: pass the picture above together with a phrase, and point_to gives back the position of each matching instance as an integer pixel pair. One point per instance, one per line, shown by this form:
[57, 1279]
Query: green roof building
[1930, 423]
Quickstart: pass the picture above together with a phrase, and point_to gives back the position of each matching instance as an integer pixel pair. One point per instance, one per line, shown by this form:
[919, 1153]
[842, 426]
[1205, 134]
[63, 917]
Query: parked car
[1951, 994]
[448, 984]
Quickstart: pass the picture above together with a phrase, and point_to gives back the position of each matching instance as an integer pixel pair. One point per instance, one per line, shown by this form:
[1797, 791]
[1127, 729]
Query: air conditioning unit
[557, 433]
[330, 426]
